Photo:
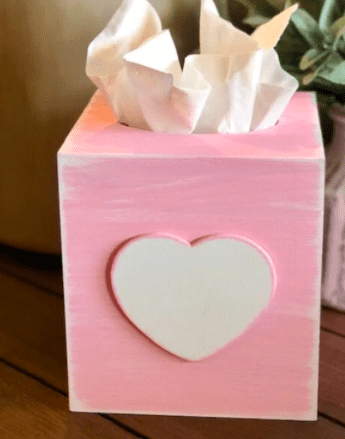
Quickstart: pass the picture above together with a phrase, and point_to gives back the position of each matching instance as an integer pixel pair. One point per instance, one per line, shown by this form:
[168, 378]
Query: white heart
[192, 298]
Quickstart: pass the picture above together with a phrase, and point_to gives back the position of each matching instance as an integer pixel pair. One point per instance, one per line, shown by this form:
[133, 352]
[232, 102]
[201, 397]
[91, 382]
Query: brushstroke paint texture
[117, 183]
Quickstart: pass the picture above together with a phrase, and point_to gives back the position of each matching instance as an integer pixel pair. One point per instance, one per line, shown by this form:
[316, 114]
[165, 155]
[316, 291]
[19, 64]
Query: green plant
[261, 11]
[313, 51]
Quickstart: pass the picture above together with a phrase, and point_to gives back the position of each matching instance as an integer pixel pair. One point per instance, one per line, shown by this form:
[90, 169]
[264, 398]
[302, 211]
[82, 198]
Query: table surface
[33, 374]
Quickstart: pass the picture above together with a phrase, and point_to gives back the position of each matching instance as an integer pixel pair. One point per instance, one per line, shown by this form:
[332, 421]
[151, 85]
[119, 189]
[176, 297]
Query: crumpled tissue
[235, 85]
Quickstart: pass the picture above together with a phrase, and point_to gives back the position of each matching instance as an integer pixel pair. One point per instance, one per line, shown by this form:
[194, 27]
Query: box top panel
[296, 136]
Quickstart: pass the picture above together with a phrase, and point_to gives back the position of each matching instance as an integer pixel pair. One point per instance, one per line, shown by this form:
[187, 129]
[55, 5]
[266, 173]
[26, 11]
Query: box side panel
[316, 310]
[62, 197]
[270, 371]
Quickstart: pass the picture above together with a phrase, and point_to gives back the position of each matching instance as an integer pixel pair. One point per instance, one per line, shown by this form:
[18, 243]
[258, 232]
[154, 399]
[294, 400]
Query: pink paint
[97, 132]
[117, 183]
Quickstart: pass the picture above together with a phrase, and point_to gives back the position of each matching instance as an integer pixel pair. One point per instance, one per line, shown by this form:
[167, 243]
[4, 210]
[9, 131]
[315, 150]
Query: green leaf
[278, 4]
[309, 77]
[262, 8]
[331, 10]
[290, 48]
[338, 27]
[321, 85]
[308, 28]
[256, 20]
[292, 41]
[338, 75]
[289, 3]
[311, 57]
[337, 30]
[223, 8]
[341, 46]
[334, 71]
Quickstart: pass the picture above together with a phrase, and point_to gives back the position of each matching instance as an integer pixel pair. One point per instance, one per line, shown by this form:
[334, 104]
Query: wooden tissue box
[192, 267]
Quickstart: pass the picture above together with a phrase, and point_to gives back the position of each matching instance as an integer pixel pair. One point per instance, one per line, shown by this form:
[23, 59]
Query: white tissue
[235, 85]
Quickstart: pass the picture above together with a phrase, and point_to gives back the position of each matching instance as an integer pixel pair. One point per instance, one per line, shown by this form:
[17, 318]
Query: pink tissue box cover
[118, 182]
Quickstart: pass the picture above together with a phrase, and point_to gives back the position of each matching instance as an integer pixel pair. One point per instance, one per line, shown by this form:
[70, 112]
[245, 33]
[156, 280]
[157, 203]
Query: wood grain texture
[333, 321]
[157, 427]
[28, 409]
[39, 361]
[332, 376]
[32, 330]
[39, 269]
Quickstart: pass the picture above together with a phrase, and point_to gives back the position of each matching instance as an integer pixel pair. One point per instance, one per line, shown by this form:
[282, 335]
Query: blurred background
[44, 89]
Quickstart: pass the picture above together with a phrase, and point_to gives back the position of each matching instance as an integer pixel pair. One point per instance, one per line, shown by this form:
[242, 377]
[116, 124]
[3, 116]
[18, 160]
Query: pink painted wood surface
[298, 131]
[271, 370]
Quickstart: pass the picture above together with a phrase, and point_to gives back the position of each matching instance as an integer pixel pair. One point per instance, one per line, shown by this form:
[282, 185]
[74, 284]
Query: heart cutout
[192, 299]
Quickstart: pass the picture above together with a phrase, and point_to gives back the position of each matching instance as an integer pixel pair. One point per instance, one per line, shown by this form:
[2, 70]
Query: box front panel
[269, 371]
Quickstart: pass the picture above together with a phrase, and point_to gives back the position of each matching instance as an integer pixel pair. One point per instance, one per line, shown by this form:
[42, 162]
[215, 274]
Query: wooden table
[33, 376]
